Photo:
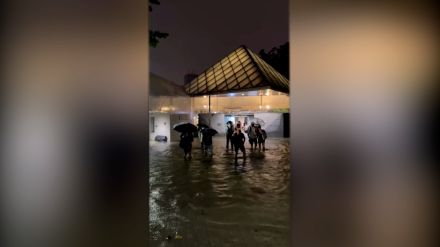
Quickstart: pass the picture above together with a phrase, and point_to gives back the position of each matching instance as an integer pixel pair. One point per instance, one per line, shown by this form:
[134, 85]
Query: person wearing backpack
[252, 134]
[261, 137]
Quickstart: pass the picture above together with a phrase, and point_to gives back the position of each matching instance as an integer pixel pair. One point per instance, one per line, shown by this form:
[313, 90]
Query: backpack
[263, 132]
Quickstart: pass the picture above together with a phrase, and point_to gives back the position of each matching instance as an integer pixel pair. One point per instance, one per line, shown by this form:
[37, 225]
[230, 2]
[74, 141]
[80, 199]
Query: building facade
[240, 87]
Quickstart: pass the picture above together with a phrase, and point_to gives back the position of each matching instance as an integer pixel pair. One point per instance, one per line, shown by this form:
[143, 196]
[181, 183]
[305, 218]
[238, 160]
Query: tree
[155, 35]
[278, 58]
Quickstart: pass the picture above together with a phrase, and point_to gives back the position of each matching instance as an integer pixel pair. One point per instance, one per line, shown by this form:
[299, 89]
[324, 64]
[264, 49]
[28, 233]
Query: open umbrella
[202, 125]
[210, 131]
[185, 127]
[258, 121]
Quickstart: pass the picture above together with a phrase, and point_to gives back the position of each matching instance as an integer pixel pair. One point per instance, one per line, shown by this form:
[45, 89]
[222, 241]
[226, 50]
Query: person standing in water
[238, 139]
[229, 133]
[251, 131]
[261, 137]
[207, 142]
[186, 139]
[238, 125]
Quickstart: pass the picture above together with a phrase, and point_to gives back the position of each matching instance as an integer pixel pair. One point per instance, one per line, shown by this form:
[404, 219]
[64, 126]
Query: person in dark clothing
[238, 139]
[229, 133]
[186, 139]
[261, 137]
[200, 134]
[252, 134]
[238, 125]
[207, 142]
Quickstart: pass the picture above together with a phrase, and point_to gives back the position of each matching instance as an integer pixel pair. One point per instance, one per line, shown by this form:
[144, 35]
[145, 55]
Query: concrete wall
[161, 125]
[177, 118]
[170, 104]
[273, 123]
[217, 121]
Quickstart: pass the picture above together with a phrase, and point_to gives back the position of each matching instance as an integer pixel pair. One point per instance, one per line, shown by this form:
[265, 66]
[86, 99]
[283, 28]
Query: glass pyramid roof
[241, 70]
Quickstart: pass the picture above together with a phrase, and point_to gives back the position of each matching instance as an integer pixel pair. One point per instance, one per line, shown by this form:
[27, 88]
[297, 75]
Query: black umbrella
[185, 127]
[202, 125]
[210, 131]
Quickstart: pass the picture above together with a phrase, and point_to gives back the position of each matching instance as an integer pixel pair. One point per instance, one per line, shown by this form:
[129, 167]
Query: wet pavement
[214, 202]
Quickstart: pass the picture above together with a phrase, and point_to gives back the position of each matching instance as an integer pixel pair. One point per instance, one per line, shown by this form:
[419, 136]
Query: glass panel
[212, 86]
[242, 56]
[229, 74]
[221, 86]
[239, 73]
[237, 68]
[193, 86]
[234, 60]
[232, 84]
[246, 62]
[227, 70]
[257, 81]
[226, 66]
[244, 83]
[220, 78]
[248, 66]
[242, 77]
[253, 76]
[210, 77]
[218, 72]
[240, 51]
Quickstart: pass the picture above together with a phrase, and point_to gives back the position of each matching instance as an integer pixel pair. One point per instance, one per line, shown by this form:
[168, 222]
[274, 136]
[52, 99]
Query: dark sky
[204, 31]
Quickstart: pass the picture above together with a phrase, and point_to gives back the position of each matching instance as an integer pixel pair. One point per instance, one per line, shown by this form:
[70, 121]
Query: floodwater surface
[212, 201]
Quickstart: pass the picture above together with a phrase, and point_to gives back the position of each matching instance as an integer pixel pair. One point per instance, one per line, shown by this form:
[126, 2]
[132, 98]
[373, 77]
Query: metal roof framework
[241, 70]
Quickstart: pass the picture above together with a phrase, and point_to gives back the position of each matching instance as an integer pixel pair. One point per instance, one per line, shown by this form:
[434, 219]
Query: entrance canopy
[241, 70]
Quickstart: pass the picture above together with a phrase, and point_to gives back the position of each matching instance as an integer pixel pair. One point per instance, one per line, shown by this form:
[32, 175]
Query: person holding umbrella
[186, 137]
[201, 128]
[207, 140]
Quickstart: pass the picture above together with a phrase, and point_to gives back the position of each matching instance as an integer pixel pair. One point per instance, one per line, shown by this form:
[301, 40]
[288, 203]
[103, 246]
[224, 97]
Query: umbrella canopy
[202, 125]
[185, 127]
[210, 131]
[258, 121]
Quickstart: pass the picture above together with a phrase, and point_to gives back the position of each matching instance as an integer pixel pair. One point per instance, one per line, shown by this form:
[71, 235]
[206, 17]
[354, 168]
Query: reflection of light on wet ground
[213, 202]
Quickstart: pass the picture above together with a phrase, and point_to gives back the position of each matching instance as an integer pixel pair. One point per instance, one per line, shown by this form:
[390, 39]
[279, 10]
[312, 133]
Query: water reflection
[211, 201]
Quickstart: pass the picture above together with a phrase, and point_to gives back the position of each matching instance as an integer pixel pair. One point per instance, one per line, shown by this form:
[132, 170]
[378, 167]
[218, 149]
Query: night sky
[204, 31]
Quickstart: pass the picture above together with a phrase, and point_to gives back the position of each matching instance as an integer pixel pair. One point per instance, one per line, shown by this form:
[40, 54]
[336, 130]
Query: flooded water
[214, 202]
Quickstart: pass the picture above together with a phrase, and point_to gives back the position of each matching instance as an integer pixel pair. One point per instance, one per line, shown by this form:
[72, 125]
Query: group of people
[235, 139]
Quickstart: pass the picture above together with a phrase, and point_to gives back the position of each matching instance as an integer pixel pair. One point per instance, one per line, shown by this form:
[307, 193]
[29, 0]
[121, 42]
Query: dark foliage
[278, 57]
[155, 35]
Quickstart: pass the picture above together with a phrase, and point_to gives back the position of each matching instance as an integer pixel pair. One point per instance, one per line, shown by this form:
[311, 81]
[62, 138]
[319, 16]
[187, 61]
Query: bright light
[242, 94]
[267, 106]
[204, 96]
[261, 106]
[205, 106]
